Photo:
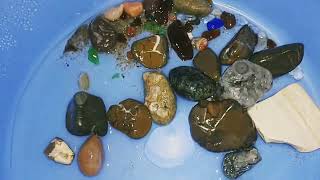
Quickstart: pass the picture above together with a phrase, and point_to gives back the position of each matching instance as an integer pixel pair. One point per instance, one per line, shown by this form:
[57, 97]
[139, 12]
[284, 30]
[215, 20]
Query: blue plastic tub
[36, 86]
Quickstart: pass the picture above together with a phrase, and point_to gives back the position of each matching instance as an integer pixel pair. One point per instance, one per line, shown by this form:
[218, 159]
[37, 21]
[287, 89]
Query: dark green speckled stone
[192, 84]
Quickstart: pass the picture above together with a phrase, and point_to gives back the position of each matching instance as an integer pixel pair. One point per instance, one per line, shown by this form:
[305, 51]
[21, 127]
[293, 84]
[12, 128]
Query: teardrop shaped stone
[180, 41]
[91, 156]
[241, 46]
[280, 60]
[222, 126]
[151, 52]
[208, 62]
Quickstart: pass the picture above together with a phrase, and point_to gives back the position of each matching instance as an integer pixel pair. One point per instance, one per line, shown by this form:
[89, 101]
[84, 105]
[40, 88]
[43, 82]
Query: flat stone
[208, 62]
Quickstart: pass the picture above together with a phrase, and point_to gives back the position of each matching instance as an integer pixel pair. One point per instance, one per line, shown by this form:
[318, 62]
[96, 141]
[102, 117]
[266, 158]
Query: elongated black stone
[280, 60]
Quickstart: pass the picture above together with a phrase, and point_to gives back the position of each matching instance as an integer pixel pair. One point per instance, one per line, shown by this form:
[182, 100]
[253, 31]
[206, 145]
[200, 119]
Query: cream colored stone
[114, 13]
[289, 117]
[159, 98]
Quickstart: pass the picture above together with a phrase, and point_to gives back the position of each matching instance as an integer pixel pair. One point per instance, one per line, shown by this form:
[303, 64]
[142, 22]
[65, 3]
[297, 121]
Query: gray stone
[246, 82]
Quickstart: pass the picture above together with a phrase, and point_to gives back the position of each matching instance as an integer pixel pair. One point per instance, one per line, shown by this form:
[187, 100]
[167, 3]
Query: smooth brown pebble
[210, 35]
[91, 156]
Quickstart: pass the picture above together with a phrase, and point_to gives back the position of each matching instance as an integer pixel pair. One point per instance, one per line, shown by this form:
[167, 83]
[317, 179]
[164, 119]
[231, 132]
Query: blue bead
[215, 23]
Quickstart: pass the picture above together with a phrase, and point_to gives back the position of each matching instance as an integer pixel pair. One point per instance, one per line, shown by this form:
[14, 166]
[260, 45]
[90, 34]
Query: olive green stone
[208, 62]
[193, 7]
[280, 60]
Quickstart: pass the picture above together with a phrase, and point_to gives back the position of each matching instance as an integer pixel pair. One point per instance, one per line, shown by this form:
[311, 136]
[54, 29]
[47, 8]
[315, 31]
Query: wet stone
[280, 60]
[86, 114]
[84, 82]
[102, 35]
[91, 156]
[180, 41]
[159, 97]
[241, 46]
[192, 84]
[78, 40]
[221, 126]
[228, 19]
[208, 62]
[210, 35]
[246, 82]
[193, 7]
[151, 52]
[130, 117]
[59, 151]
[237, 163]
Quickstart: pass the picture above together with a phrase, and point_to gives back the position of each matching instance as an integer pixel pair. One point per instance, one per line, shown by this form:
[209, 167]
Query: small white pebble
[297, 73]
[190, 35]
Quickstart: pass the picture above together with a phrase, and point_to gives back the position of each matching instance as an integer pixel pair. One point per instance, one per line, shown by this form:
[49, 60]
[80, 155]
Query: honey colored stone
[130, 117]
[159, 97]
[91, 156]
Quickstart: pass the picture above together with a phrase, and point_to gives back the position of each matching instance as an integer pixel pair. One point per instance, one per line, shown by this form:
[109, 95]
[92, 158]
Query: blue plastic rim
[30, 34]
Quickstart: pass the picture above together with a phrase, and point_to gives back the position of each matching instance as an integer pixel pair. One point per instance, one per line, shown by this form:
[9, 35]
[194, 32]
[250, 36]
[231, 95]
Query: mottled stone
[221, 126]
[237, 163]
[159, 97]
[192, 84]
[246, 82]
[158, 10]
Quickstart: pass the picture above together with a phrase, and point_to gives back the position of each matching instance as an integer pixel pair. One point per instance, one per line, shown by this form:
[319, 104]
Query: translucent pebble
[216, 12]
[262, 42]
[297, 73]
[168, 147]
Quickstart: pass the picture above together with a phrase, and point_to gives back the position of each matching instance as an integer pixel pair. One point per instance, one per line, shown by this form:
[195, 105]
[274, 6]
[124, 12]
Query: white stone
[289, 117]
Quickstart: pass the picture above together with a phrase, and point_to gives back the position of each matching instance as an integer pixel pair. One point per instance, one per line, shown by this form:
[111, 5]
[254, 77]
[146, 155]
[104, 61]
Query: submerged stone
[241, 46]
[280, 60]
[151, 52]
[180, 41]
[130, 117]
[208, 62]
[158, 10]
[221, 126]
[246, 82]
[192, 84]
[78, 40]
[193, 7]
[86, 114]
[237, 163]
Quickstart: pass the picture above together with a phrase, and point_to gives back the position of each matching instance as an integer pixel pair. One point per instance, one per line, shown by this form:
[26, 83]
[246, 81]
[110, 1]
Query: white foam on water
[168, 147]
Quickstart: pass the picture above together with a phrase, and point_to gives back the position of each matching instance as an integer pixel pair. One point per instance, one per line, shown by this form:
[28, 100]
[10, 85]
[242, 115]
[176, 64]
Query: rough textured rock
[78, 40]
[222, 126]
[151, 52]
[193, 7]
[102, 35]
[237, 163]
[86, 114]
[192, 84]
[91, 156]
[280, 60]
[208, 62]
[59, 151]
[130, 117]
[246, 82]
[159, 97]
[241, 46]
[180, 41]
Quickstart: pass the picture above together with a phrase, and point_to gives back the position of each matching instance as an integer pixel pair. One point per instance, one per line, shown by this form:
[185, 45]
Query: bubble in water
[168, 147]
